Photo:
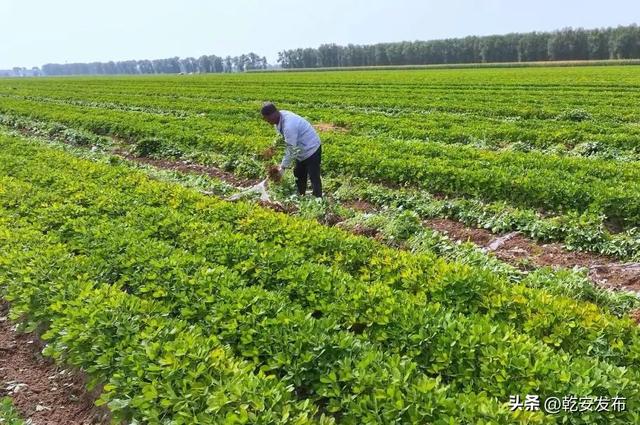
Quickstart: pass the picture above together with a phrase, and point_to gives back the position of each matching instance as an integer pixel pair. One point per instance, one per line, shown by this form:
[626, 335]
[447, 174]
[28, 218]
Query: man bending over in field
[302, 143]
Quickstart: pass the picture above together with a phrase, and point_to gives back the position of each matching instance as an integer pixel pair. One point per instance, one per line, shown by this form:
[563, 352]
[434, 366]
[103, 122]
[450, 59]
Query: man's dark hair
[268, 109]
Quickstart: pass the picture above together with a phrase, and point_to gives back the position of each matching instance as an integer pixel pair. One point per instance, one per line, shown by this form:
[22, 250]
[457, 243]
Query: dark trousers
[310, 168]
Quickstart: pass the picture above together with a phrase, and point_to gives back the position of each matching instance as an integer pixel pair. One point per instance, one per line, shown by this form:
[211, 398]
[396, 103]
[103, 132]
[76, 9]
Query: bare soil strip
[522, 252]
[40, 390]
[515, 249]
[187, 167]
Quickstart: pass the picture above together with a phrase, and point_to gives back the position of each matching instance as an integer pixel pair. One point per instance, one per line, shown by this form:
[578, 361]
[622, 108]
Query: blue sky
[34, 32]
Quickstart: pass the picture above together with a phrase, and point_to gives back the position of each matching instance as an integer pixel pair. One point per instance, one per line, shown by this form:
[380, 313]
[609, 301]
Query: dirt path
[515, 249]
[187, 167]
[42, 392]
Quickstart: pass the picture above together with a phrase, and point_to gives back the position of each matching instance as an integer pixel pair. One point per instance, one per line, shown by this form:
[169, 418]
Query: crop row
[571, 132]
[544, 93]
[583, 232]
[403, 229]
[397, 224]
[115, 334]
[95, 213]
[523, 179]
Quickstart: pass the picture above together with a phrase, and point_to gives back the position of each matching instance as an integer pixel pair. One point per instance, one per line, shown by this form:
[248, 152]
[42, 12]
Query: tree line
[18, 71]
[175, 65]
[622, 42]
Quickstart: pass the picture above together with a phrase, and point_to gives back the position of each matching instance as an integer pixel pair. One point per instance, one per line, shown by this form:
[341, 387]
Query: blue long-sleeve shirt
[300, 137]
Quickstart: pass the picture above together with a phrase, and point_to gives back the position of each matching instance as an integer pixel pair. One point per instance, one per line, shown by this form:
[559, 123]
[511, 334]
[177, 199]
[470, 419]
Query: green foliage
[385, 136]
[578, 231]
[144, 284]
[189, 309]
[155, 148]
[8, 414]
[565, 282]
[576, 115]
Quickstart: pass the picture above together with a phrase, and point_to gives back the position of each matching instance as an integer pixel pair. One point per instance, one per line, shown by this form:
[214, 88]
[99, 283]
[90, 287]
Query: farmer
[302, 143]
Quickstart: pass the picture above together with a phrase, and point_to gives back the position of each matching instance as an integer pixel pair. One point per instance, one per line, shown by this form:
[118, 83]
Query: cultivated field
[478, 242]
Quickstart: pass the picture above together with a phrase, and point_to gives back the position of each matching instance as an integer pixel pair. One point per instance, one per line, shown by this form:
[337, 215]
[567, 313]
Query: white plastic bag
[260, 188]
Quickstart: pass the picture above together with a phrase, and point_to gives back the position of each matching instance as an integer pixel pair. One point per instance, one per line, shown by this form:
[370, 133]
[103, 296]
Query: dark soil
[188, 167]
[522, 252]
[331, 219]
[276, 206]
[460, 232]
[360, 205]
[617, 276]
[364, 231]
[268, 153]
[40, 390]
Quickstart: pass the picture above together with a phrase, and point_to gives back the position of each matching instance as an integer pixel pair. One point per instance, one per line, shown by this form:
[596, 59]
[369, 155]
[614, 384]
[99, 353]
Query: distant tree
[625, 42]
[187, 65]
[380, 55]
[533, 47]
[145, 67]
[128, 67]
[598, 44]
[309, 58]
[218, 64]
[565, 44]
[328, 55]
[204, 64]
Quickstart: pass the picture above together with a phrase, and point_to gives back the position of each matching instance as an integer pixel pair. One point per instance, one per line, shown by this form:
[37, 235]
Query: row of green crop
[403, 228]
[532, 180]
[192, 379]
[571, 132]
[397, 226]
[328, 247]
[584, 232]
[280, 341]
[544, 94]
[135, 221]
[345, 373]
[396, 223]
[277, 337]
[225, 114]
[230, 324]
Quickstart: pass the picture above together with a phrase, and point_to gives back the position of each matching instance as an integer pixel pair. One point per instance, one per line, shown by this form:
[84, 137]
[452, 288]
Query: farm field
[479, 241]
